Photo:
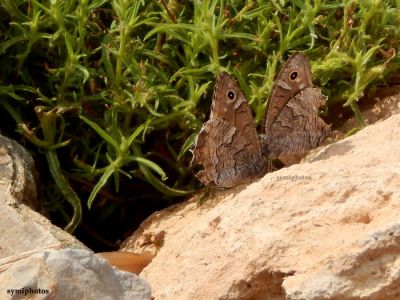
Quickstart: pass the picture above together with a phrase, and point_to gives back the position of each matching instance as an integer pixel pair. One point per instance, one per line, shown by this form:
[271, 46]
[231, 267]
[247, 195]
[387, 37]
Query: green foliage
[120, 84]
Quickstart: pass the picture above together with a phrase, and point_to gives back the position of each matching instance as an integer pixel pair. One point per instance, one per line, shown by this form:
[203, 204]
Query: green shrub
[117, 88]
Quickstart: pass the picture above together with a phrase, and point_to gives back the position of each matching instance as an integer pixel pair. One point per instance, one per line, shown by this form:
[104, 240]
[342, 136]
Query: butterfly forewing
[294, 76]
[227, 146]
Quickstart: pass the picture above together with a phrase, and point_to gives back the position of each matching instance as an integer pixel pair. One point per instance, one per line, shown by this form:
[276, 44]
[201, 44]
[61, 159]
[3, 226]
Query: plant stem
[65, 188]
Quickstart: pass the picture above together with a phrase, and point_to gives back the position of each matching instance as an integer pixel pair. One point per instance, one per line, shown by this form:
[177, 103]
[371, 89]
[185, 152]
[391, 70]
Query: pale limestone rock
[69, 274]
[328, 228]
[17, 175]
[21, 228]
[26, 237]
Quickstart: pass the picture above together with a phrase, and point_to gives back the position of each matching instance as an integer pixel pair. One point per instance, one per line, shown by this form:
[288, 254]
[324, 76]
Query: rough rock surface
[328, 228]
[17, 175]
[27, 264]
[21, 228]
[69, 274]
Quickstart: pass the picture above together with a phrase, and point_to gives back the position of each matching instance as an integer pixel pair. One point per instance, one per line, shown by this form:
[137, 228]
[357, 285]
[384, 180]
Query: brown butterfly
[291, 125]
[227, 145]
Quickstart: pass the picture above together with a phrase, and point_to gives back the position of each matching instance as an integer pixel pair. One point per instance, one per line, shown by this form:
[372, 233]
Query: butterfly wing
[227, 155]
[298, 128]
[291, 124]
[227, 145]
[294, 76]
[229, 103]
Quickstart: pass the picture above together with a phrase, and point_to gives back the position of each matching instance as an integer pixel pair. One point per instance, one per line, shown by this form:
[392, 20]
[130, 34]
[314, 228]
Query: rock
[25, 239]
[328, 228]
[21, 228]
[17, 175]
[69, 274]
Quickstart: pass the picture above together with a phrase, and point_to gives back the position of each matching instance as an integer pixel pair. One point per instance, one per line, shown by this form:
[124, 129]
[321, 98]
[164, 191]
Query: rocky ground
[39, 260]
[324, 229]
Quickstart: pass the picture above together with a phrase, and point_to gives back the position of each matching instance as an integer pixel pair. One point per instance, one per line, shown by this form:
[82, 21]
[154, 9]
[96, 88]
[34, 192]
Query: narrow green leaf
[150, 164]
[187, 145]
[161, 186]
[137, 131]
[102, 181]
[101, 132]
[84, 71]
[170, 28]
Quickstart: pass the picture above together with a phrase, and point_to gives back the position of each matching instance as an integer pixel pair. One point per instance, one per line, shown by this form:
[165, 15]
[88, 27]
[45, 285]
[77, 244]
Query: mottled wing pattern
[292, 125]
[227, 155]
[298, 128]
[227, 146]
[236, 112]
[294, 76]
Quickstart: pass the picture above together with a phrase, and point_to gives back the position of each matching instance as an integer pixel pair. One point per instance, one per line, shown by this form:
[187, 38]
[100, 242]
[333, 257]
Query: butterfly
[292, 125]
[228, 146]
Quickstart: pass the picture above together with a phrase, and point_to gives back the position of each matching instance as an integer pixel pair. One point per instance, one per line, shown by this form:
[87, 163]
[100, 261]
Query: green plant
[109, 88]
